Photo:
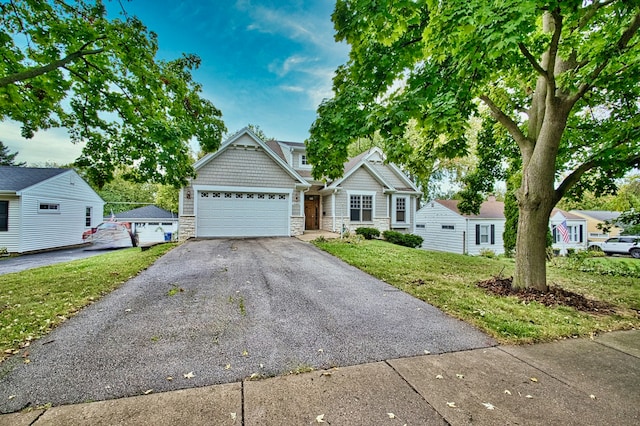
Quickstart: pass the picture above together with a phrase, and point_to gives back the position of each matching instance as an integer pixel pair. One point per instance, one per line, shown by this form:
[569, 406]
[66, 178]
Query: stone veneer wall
[326, 224]
[186, 227]
[297, 225]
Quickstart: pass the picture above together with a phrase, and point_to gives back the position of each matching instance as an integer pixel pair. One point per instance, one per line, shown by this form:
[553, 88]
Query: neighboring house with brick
[150, 224]
[596, 217]
[45, 208]
[253, 188]
[444, 228]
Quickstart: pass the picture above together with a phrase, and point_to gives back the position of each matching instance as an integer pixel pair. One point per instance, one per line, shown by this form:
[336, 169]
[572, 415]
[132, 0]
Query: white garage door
[242, 214]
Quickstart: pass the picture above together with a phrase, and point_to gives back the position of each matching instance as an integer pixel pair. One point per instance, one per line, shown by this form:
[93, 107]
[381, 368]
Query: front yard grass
[34, 301]
[448, 281]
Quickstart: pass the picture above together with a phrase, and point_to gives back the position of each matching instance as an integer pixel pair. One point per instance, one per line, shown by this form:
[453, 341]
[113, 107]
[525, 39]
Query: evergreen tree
[7, 159]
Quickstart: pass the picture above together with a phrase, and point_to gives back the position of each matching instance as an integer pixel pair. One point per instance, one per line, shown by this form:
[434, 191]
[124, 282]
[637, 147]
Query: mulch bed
[555, 296]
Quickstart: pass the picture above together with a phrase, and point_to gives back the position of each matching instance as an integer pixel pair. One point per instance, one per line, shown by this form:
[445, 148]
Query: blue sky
[268, 63]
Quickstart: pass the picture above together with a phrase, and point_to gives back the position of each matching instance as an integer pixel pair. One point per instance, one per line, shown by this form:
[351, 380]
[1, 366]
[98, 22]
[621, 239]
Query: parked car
[110, 235]
[624, 244]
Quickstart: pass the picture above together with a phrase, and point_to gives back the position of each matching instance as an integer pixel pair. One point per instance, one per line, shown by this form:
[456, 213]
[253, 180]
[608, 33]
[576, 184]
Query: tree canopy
[558, 77]
[67, 64]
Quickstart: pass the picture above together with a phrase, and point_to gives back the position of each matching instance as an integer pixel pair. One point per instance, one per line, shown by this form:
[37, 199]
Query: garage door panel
[231, 214]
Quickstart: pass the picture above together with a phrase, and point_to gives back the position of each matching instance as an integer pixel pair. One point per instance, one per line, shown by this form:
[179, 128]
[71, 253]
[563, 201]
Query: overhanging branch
[508, 123]
[575, 176]
[37, 71]
[532, 60]
[622, 44]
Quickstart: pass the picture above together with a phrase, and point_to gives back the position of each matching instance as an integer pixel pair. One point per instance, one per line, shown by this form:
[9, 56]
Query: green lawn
[34, 301]
[448, 281]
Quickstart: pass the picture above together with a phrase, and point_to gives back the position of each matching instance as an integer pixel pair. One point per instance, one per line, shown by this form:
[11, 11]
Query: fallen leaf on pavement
[427, 352]
[320, 419]
[439, 376]
[326, 373]
[460, 376]
[189, 375]
[507, 391]
[169, 378]
[148, 391]
[451, 404]
[233, 416]
[11, 396]
[227, 367]
[489, 405]
[592, 396]
[528, 396]
[27, 361]
[533, 379]
[391, 415]
[245, 353]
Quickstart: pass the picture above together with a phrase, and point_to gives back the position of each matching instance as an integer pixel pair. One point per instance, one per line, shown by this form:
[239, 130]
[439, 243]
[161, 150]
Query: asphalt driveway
[217, 311]
[36, 260]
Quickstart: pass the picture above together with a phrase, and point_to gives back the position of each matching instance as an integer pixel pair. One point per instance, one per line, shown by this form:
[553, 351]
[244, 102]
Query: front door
[311, 212]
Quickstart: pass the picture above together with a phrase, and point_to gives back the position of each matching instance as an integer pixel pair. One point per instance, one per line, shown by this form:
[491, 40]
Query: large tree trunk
[531, 245]
[536, 197]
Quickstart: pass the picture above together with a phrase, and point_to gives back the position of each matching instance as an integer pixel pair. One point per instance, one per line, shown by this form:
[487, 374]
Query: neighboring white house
[150, 224]
[576, 231]
[444, 228]
[42, 208]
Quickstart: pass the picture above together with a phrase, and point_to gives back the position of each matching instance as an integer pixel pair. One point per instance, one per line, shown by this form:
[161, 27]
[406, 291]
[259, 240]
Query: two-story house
[253, 188]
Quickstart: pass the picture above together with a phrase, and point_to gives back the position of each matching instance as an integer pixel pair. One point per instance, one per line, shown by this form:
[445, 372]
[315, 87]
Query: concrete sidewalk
[571, 382]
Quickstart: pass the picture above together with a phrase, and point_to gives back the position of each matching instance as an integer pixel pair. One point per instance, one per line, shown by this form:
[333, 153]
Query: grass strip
[448, 281]
[34, 301]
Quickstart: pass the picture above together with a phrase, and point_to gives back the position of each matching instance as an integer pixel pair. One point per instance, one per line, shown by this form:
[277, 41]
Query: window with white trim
[485, 233]
[574, 231]
[48, 208]
[361, 208]
[303, 160]
[449, 227]
[401, 210]
[87, 217]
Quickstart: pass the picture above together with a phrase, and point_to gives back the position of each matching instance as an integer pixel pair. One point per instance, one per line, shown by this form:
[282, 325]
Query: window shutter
[554, 239]
[477, 235]
[493, 234]
[581, 237]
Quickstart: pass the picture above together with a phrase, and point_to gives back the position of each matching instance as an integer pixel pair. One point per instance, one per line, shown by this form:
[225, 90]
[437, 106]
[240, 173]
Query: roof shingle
[18, 178]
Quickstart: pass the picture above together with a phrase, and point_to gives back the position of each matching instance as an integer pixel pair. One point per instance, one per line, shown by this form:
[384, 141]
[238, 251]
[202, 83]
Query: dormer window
[303, 160]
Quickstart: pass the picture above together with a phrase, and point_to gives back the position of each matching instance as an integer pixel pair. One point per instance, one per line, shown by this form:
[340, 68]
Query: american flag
[563, 230]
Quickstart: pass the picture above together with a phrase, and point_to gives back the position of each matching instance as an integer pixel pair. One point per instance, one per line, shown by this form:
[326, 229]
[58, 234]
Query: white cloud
[47, 146]
[295, 89]
[292, 63]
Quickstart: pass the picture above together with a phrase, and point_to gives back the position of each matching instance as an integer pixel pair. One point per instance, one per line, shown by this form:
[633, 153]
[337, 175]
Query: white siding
[434, 217]
[578, 241]
[497, 247]
[11, 238]
[40, 230]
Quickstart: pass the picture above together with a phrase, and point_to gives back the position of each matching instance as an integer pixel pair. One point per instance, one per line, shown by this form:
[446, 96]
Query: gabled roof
[262, 144]
[362, 161]
[566, 214]
[15, 179]
[146, 212]
[600, 215]
[488, 210]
